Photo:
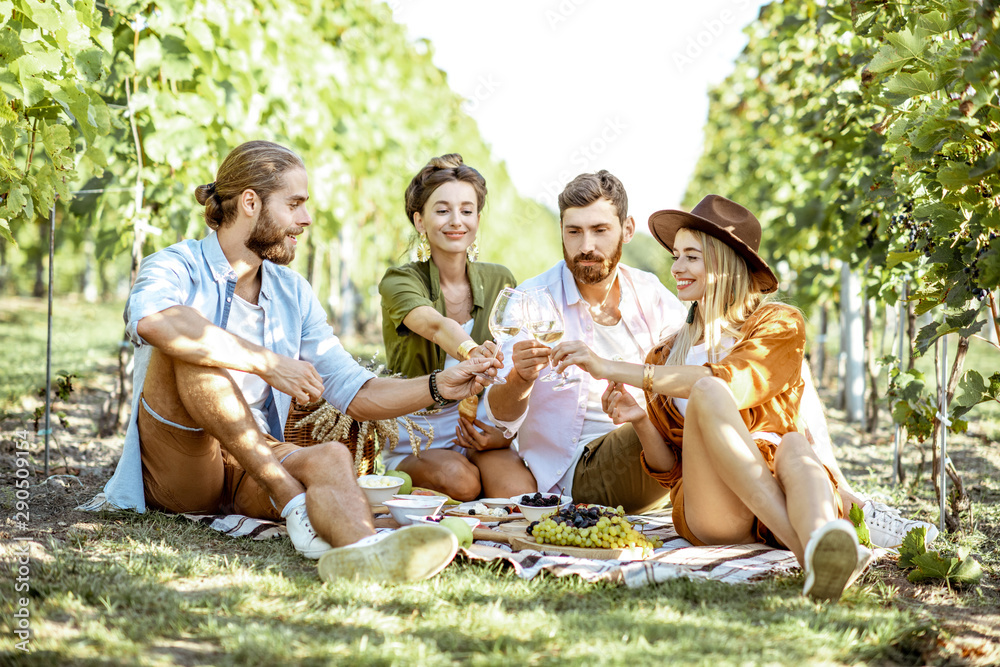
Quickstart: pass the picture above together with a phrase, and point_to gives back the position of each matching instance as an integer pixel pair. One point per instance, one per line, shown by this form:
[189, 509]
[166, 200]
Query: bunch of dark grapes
[904, 224]
[972, 270]
[538, 500]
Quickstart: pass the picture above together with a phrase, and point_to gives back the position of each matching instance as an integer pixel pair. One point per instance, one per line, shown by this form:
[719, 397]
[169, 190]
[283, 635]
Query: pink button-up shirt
[549, 430]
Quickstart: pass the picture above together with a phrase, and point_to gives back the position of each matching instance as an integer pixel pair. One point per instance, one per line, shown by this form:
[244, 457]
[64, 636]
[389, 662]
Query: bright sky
[561, 87]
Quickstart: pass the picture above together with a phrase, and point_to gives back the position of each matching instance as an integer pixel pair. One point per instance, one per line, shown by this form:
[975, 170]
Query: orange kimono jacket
[765, 367]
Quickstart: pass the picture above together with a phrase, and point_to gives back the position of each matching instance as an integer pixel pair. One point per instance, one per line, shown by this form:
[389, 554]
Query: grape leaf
[960, 570]
[908, 43]
[857, 517]
[912, 546]
[89, 64]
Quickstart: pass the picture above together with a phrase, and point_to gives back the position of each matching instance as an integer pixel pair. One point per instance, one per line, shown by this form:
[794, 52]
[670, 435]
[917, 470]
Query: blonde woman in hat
[721, 428]
[435, 313]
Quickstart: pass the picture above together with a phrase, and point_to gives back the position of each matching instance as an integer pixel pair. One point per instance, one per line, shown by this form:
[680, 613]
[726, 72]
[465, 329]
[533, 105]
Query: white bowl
[417, 496]
[536, 513]
[494, 503]
[404, 511]
[377, 495]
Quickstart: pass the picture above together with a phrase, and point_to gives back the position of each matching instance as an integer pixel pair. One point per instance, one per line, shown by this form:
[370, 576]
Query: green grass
[142, 589]
[157, 589]
[83, 337]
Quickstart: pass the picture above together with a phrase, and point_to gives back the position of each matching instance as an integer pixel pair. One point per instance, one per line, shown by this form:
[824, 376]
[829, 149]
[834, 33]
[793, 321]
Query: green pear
[461, 530]
[407, 482]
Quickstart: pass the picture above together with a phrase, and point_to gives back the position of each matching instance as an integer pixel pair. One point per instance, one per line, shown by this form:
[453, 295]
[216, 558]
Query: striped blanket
[733, 564]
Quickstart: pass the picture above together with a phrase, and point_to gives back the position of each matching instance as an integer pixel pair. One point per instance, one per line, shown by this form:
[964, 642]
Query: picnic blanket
[734, 564]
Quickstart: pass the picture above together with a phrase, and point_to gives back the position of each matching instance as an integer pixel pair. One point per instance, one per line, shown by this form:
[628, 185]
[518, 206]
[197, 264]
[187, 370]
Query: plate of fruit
[587, 531]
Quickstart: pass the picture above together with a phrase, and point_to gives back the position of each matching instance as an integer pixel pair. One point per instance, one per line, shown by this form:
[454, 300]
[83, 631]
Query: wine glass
[506, 319]
[545, 322]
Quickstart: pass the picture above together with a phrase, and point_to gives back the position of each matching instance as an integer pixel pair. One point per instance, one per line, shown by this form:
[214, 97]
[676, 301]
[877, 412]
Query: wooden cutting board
[520, 543]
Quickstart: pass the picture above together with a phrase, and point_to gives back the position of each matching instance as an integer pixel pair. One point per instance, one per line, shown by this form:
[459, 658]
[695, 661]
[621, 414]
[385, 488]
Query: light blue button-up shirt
[197, 274]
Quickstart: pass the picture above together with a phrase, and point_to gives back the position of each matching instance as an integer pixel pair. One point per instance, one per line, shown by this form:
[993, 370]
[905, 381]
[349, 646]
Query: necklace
[595, 311]
[460, 305]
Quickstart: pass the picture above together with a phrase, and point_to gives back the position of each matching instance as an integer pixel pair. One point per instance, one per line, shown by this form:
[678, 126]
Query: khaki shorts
[185, 470]
[609, 473]
[761, 533]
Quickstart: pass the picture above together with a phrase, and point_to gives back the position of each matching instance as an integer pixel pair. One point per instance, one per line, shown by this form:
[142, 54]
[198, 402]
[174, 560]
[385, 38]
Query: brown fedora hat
[727, 221]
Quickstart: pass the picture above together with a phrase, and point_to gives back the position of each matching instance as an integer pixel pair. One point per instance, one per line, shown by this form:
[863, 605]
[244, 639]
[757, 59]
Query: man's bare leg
[337, 508]
[206, 397]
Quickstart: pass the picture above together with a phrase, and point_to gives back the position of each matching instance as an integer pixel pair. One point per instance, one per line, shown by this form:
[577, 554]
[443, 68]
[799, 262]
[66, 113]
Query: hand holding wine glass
[545, 322]
[506, 319]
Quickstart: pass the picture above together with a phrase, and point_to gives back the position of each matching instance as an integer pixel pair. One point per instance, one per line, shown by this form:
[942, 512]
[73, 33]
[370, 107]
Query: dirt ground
[80, 463]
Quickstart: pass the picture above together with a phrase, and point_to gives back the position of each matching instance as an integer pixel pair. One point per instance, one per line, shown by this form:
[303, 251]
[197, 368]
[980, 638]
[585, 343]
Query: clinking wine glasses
[506, 319]
[544, 321]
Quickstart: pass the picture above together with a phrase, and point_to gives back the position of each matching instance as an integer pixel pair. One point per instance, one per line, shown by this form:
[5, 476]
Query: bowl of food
[379, 488]
[534, 506]
[407, 510]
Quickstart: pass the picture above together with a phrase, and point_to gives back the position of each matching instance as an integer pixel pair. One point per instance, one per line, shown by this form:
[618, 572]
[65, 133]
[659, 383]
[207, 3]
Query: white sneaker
[412, 553]
[831, 560]
[302, 533]
[887, 528]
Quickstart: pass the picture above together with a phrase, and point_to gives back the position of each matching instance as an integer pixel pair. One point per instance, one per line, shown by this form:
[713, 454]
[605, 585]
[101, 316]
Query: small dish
[493, 503]
[405, 511]
[532, 513]
[381, 488]
[475, 508]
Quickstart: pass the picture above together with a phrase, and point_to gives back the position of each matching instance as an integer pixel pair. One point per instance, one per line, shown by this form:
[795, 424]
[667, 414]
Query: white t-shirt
[247, 321]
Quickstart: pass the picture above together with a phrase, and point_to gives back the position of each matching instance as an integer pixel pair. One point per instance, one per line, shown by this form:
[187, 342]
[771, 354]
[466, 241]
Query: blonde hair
[730, 299]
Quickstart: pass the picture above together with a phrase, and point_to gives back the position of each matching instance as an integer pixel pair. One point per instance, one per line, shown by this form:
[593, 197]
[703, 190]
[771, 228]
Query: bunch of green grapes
[591, 526]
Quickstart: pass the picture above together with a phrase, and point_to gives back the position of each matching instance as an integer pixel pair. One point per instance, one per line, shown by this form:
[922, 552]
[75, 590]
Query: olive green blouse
[403, 288]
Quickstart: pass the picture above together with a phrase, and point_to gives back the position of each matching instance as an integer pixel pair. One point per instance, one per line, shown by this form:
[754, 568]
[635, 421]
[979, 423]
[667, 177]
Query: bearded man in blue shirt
[226, 336]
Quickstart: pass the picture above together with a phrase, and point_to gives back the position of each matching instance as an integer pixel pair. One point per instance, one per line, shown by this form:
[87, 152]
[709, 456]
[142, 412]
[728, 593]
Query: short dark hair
[255, 165]
[585, 189]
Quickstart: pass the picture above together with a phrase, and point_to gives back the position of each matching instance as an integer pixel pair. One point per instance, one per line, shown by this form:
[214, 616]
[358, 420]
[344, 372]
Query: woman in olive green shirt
[435, 313]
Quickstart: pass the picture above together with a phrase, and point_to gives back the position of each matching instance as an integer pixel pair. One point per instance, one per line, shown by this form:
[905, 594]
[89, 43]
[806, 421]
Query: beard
[591, 275]
[267, 240]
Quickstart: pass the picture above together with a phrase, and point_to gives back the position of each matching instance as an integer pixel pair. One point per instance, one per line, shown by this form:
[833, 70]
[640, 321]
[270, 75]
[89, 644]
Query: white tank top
[247, 321]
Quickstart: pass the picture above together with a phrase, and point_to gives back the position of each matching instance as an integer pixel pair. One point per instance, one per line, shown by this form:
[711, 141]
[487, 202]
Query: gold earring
[423, 249]
[472, 252]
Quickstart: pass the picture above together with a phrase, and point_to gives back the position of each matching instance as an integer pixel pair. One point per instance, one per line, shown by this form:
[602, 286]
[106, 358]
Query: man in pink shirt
[565, 438]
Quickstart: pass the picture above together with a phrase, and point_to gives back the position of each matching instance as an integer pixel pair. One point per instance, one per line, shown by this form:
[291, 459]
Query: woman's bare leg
[443, 470]
[503, 473]
[806, 483]
[726, 479]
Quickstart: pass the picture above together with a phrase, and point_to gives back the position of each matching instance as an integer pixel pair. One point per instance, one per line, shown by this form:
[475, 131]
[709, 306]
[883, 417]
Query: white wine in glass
[545, 323]
[506, 319]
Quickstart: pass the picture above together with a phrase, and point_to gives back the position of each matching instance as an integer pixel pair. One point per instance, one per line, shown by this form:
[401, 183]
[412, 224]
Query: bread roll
[467, 408]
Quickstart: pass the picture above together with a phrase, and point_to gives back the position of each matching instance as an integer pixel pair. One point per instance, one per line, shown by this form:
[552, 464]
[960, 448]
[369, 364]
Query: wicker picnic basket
[308, 425]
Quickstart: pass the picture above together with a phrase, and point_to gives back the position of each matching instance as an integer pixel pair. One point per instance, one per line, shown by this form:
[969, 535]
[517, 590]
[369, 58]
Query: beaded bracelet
[647, 378]
[435, 394]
